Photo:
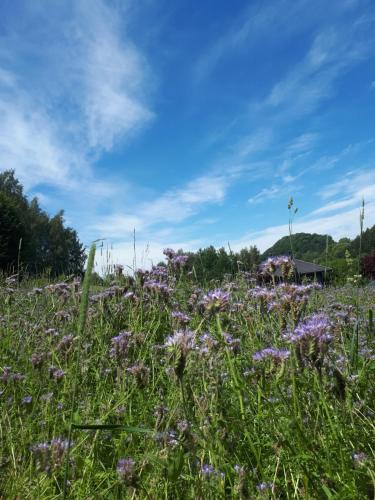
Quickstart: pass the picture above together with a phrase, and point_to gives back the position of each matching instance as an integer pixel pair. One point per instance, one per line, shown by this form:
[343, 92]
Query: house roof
[304, 267]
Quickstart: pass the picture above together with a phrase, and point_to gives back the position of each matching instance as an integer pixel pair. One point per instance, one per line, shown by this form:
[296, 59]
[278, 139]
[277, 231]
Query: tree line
[31, 240]
[37, 244]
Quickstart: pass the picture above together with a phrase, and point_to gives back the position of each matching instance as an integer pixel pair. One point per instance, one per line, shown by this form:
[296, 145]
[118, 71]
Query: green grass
[198, 423]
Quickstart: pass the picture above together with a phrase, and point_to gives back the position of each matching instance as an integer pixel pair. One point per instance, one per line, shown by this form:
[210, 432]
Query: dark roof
[304, 267]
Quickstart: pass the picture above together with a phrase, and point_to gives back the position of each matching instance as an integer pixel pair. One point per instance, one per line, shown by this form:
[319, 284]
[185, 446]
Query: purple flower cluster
[9, 376]
[282, 262]
[174, 259]
[126, 470]
[317, 327]
[180, 317]
[56, 373]
[50, 455]
[232, 343]
[158, 286]
[209, 470]
[65, 344]
[216, 300]
[208, 344]
[277, 355]
[182, 340]
[120, 345]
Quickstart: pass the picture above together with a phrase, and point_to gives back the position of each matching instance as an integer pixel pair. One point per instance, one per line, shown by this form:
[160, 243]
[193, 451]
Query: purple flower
[50, 455]
[209, 470]
[27, 400]
[359, 458]
[183, 426]
[216, 300]
[264, 486]
[169, 253]
[126, 470]
[120, 345]
[183, 340]
[233, 343]
[179, 260]
[65, 343]
[6, 375]
[180, 317]
[271, 353]
[37, 359]
[317, 327]
[56, 373]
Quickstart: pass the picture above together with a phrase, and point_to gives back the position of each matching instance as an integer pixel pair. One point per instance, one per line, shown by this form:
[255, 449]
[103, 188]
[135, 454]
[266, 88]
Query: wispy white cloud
[334, 206]
[344, 212]
[333, 52]
[253, 143]
[52, 133]
[343, 224]
[171, 207]
[255, 25]
[112, 74]
[358, 184]
[265, 194]
[29, 144]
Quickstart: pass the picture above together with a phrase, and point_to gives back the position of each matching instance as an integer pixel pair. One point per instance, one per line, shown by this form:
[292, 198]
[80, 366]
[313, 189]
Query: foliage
[211, 264]
[29, 237]
[368, 266]
[181, 392]
[305, 246]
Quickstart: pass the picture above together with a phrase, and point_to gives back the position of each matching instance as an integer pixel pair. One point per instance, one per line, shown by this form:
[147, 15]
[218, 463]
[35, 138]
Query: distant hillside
[306, 246]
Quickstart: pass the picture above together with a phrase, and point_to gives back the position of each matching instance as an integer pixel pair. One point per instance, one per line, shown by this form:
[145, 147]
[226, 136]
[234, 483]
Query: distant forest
[30, 240]
[342, 256]
[34, 242]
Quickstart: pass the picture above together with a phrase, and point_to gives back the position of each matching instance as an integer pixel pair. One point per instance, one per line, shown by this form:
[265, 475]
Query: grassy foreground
[241, 392]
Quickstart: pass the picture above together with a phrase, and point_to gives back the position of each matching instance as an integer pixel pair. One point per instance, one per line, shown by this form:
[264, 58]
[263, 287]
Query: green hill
[306, 246]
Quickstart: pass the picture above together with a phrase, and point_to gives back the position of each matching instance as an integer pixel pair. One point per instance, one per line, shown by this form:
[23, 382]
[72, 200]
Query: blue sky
[192, 122]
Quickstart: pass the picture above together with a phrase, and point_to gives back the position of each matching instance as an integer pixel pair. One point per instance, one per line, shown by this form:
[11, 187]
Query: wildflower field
[237, 390]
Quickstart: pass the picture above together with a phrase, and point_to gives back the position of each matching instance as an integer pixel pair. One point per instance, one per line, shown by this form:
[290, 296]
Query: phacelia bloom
[120, 345]
[359, 458]
[50, 455]
[183, 340]
[233, 343]
[216, 300]
[271, 353]
[63, 316]
[264, 486]
[6, 375]
[179, 260]
[183, 426]
[65, 343]
[180, 317]
[208, 343]
[126, 470]
[169, 253]
[317, 327]
[166, 438]
[37, 359]
[157, 286]
[209, 470]
[140, 372]
[51, 332]
[27, 400]
[159, 272]
[56, 373]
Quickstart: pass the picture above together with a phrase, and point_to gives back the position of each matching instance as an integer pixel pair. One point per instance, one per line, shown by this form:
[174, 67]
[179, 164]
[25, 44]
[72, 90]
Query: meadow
[155, 387]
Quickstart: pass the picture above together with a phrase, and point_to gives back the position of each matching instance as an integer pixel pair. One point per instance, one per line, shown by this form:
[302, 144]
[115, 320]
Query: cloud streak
[51, 134]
